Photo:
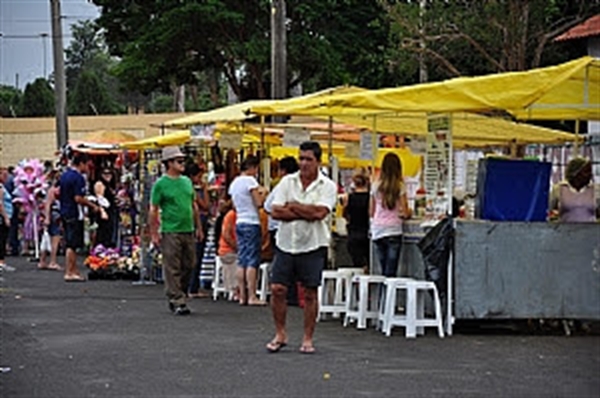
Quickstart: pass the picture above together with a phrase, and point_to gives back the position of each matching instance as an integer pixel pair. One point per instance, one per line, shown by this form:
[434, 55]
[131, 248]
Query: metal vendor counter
[526, 270]
[514, 270]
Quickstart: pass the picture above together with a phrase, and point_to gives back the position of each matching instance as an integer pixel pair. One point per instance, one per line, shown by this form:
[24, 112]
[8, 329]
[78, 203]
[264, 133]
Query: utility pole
[423, 72]
[44, 36]
[60, 87]
[278, 50]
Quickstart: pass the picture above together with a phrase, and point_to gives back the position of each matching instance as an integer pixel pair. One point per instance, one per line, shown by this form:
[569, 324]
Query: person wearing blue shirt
[72, 200]
[6, 210]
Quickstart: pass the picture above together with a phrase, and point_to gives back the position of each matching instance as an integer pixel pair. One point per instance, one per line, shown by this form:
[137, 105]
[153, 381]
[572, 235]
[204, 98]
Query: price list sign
[438, 164]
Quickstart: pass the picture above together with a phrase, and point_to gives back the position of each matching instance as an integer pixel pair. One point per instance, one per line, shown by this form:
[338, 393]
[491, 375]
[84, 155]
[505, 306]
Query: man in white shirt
[302, 203]
[247, 196]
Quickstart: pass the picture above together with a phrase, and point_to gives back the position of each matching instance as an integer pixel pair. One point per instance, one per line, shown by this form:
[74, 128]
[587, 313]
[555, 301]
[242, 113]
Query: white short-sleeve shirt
[301, 236]
[241, 195]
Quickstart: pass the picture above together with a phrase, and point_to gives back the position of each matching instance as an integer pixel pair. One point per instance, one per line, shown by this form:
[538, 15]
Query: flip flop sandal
[275, 346]
[76, 278]
[307, 350]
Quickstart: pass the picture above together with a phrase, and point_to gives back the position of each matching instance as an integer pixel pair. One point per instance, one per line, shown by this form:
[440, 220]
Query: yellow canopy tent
[411, 164]
[108, 137]
[251, 138]
[176, 138]
[567, 91]
[469, 130]
[241, 111]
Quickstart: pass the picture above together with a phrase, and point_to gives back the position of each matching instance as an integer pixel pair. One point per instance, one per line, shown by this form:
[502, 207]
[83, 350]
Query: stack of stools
[263, 289]
[414, 320]
[363, 299]
[218, 287]
[334, 289]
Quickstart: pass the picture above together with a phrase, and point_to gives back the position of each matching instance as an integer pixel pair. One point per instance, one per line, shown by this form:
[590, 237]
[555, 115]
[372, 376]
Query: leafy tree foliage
[38, 99]
[476, 37]
[167, 43]
[90, 96]
[10, 101]
[90, 84]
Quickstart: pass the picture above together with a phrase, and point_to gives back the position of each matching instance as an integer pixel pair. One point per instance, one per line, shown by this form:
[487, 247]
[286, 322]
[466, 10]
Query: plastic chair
[414, 320]
[263, 289]
[218, 286]
[362, 302]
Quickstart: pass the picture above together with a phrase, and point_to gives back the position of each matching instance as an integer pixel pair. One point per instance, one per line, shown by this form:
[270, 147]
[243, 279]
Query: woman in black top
[105, 194]
[356, 212]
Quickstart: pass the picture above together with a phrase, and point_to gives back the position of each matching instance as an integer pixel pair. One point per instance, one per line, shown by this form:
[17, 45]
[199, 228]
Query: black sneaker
[182, 310]
[172, 307]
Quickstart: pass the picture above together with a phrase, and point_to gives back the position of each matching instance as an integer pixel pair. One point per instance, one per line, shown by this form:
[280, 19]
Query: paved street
[112, 339]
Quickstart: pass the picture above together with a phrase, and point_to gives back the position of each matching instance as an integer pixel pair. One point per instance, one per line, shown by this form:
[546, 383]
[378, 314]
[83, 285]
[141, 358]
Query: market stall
[486, 248]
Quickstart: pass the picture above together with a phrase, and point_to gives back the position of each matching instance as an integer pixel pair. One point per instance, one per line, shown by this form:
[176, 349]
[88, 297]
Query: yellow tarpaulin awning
[108, 137]
[411, 163]
[567, 91]
[176, 138]
[241, 111]
[469, 130]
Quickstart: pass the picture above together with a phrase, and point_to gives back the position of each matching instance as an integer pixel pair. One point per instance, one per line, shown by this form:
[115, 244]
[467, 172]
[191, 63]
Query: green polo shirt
[174, 197]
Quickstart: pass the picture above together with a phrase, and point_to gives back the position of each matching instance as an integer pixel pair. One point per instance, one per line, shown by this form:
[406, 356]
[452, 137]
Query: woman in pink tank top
[388, 207]
[574, 198]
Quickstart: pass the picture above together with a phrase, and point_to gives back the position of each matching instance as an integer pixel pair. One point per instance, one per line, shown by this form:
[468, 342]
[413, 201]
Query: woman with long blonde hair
[388, 207]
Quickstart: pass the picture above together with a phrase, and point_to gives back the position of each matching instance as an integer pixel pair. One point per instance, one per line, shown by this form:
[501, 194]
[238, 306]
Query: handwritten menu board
[438, 165]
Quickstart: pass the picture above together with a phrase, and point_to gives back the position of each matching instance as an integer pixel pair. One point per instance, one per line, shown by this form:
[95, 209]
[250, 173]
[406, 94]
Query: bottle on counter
[420, 202]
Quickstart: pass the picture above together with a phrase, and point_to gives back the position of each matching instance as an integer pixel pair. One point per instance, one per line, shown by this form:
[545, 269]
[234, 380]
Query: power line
[18, 37]
[48, 20]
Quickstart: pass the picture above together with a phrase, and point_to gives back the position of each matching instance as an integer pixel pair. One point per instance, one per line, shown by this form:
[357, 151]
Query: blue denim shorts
[248, 241]
[54, 229]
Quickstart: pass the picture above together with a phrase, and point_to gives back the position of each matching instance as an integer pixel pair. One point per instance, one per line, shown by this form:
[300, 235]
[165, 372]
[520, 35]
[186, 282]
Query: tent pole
[330, 146]
[576, 144]
[145, 265]
[372, 178]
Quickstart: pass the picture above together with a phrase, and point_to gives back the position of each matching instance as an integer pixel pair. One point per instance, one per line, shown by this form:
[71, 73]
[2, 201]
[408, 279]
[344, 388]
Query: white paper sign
[418, 145]
[352, 150]
[230, 141]
[203, 131]
[292, 138]
[366, 146]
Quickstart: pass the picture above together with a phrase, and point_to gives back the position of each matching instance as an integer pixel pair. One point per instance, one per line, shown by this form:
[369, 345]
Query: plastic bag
[45, 244]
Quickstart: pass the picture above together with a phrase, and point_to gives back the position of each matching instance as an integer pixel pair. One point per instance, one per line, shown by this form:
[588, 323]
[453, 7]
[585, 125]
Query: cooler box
[512, 190]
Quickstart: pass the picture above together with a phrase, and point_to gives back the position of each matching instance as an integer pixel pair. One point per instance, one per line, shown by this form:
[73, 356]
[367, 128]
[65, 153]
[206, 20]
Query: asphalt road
[112, 339]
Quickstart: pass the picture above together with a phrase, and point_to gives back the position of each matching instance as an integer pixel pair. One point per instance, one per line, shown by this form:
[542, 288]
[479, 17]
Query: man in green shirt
[173, 202]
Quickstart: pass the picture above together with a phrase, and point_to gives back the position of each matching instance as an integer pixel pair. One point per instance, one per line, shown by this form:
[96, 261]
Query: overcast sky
[21, 46]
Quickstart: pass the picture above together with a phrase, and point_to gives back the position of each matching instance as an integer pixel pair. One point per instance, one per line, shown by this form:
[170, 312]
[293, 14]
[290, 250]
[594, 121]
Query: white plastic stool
[357, 304]
[263, 289]
[218, 287]
[414, 321]
[332, 292]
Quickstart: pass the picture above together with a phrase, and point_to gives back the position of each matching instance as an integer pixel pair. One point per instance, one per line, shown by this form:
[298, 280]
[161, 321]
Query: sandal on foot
[74, 278]
[54, 267]
[257, 303]
[307, 349]
[275, 346]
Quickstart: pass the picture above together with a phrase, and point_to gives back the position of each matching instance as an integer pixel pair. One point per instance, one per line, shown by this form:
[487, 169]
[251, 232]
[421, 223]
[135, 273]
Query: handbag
[45, 244]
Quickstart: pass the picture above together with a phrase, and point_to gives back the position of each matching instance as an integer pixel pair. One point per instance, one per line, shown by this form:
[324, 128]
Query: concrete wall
[36, 137]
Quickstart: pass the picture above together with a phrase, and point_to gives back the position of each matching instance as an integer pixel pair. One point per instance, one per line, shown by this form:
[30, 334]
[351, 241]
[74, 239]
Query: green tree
[477, 37]
[167, 43]
[90, 96]
[10, 101]
[38, 99]
[87, 57]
